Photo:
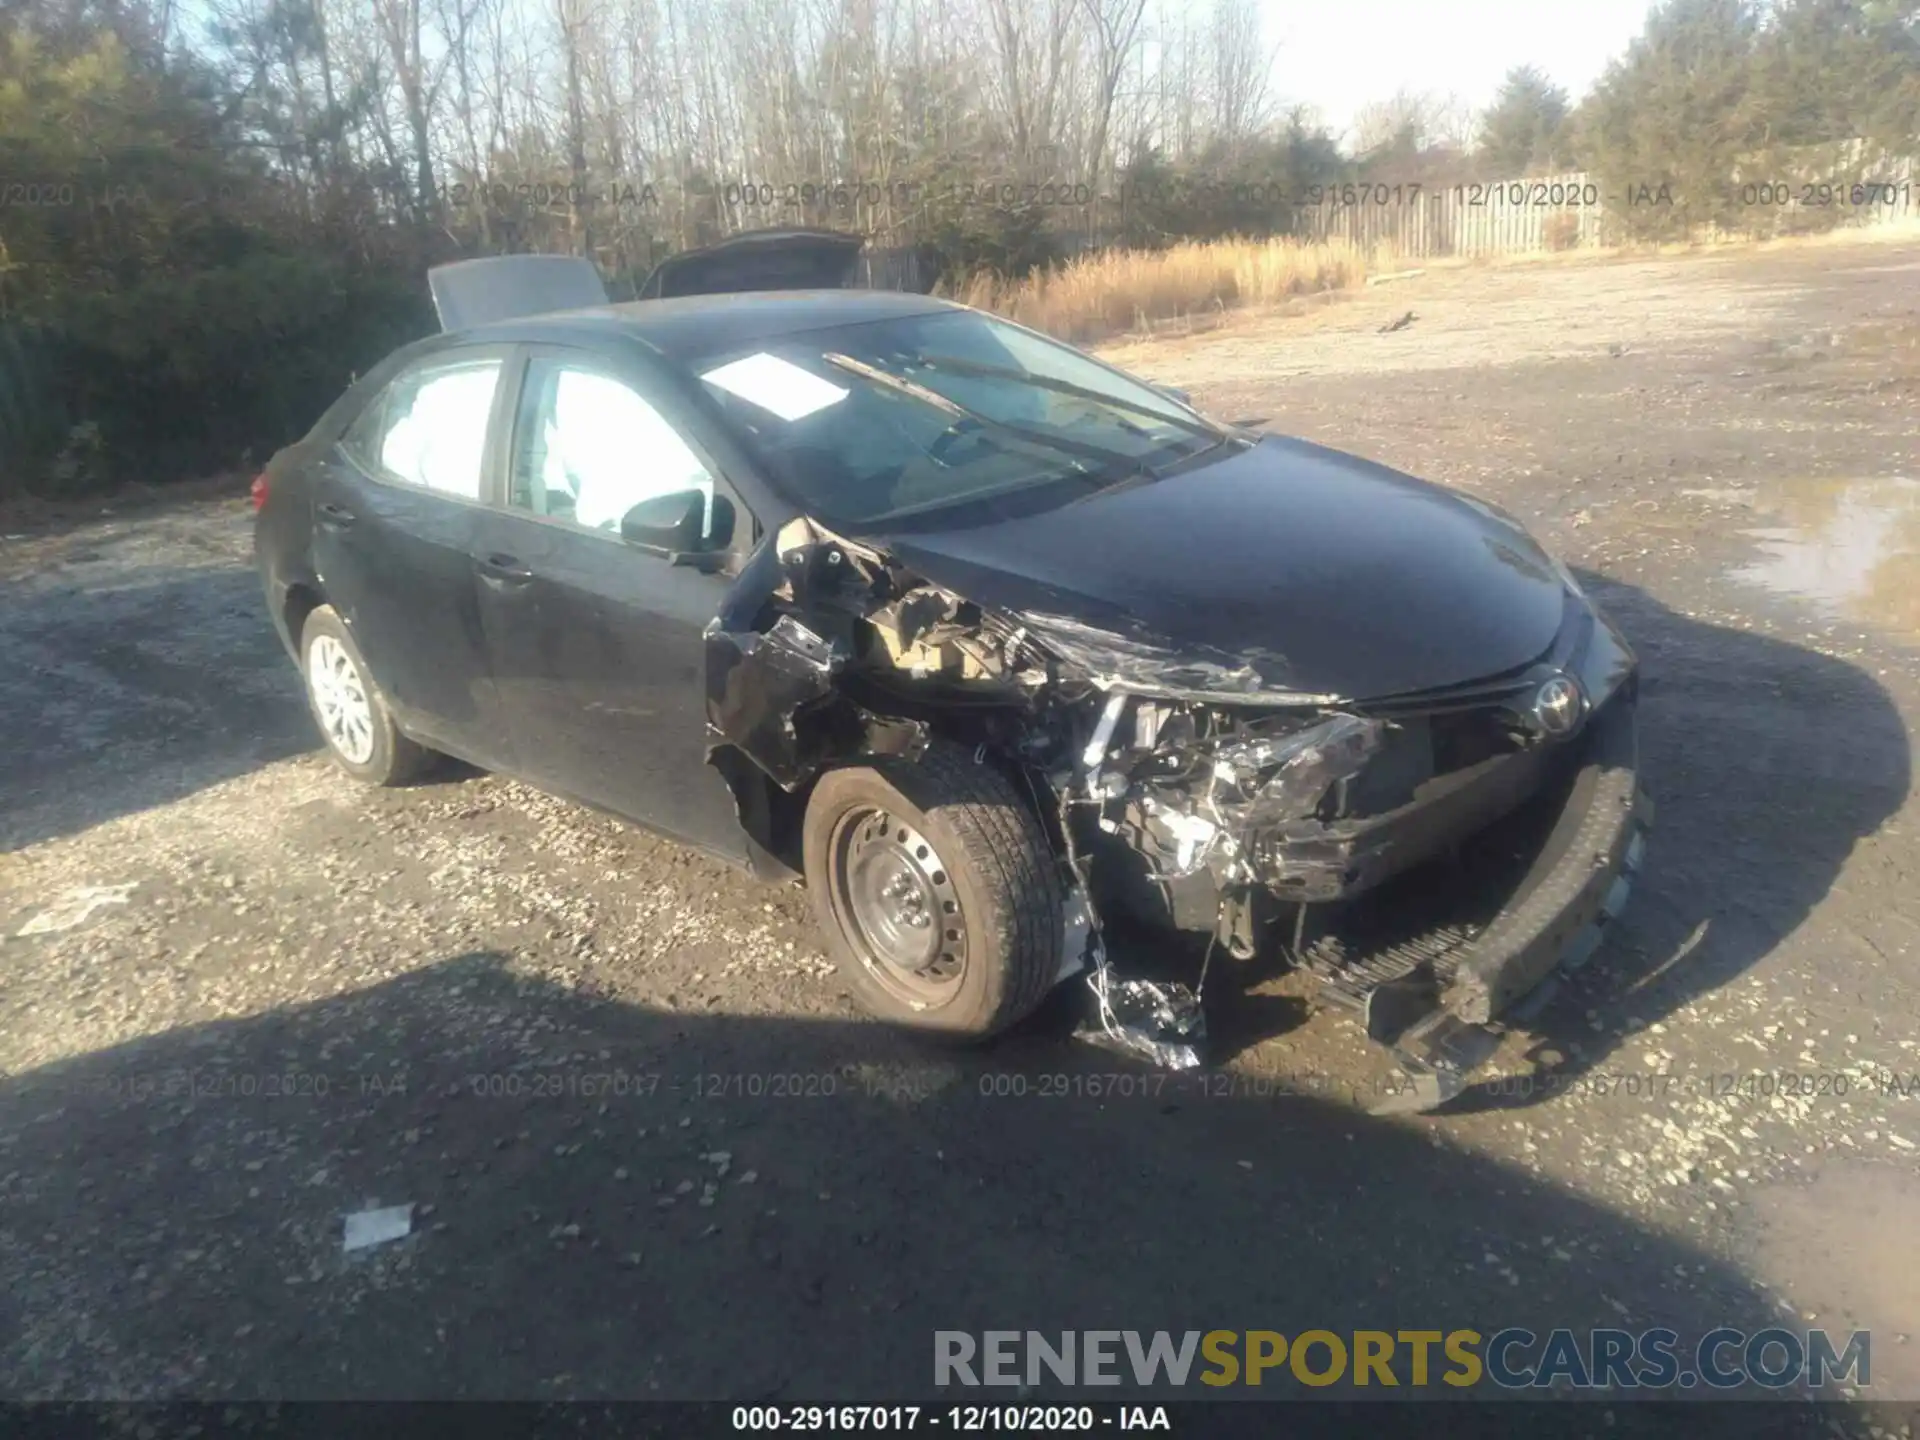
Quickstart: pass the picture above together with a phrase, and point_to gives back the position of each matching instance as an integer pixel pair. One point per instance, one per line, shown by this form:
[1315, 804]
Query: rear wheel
[349, 709]
[936, 890]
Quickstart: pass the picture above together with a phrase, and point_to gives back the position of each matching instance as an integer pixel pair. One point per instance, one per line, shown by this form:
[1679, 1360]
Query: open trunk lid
[784, 259]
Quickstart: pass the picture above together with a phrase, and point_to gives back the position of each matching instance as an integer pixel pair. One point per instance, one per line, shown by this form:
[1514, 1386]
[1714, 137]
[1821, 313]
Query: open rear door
[508, 287]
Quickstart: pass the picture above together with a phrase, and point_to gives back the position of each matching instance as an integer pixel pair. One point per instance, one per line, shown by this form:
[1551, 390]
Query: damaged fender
[772, 697]
[771, 676]
[816, 618]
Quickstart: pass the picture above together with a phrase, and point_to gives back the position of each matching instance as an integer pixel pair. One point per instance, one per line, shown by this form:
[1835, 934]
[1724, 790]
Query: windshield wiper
[1078, 449]
[1063, 387]
[1141, 474]
[1146, 474]
[898, 384]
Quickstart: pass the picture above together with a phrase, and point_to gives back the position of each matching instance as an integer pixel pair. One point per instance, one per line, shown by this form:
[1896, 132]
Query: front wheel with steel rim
[349, 709]
[936, 889]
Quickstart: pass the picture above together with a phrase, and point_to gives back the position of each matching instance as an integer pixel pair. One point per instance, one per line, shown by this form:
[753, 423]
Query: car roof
[707, 324]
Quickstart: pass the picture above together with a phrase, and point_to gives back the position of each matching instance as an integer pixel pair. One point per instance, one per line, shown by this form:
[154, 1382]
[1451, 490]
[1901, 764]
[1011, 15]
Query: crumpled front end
[1432, 858]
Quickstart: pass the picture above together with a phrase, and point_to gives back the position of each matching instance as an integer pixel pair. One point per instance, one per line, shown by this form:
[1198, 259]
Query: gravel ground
[653, 1152]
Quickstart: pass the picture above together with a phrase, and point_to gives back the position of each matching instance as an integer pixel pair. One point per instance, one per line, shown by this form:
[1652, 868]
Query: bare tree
[1452, 122]
[1116, 30]
[1241, 65]
[573, 17]
[462, 22]
[403, 30]
[1032, 52]
[731, 114]
[1404, 122]
[1179, 80]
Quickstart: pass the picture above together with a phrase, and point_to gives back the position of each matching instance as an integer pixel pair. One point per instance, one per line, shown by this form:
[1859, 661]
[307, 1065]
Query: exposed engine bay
[1185, 787]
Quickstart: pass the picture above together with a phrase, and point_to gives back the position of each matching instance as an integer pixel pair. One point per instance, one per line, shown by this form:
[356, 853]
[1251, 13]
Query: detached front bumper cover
[1575, 888]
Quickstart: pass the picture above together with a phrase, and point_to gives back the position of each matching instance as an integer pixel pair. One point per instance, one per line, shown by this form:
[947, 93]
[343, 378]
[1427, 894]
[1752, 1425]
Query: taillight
[259, 490]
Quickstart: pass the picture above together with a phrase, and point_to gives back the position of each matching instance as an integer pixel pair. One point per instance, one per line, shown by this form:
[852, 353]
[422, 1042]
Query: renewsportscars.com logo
[1511, 1359]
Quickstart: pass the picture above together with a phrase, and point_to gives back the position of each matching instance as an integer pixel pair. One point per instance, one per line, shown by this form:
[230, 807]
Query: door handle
[337, 516]
[504, 570]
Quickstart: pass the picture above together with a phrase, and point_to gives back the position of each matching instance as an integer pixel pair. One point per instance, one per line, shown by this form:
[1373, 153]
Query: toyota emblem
[1558, 705]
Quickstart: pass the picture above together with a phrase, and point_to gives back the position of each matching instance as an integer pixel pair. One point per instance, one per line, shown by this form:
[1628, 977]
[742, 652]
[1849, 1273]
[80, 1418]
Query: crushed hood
[1284, 567]
[759, 260]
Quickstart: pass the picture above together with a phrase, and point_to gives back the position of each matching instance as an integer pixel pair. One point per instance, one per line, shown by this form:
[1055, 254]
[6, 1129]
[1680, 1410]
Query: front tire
[349, 708]
[936, 890]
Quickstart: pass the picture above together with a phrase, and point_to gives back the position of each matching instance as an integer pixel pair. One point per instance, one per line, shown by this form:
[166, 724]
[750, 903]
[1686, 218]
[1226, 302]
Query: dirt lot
[654, 1152]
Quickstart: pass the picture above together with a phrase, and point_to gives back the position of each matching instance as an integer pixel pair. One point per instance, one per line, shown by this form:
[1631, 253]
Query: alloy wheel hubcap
[340, 697]
[897, 905]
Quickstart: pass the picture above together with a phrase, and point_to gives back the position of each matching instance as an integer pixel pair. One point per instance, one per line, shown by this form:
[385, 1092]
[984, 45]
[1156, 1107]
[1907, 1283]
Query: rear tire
[936, 891]
[349, 709]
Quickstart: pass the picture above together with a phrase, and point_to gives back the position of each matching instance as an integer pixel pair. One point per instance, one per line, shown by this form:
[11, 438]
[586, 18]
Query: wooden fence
[1549, 212]
[1572, 212]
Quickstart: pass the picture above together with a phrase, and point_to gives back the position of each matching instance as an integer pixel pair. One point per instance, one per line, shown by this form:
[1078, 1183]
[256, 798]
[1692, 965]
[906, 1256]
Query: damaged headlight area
[1195, 787]
[1202, 803]
[1190, 788]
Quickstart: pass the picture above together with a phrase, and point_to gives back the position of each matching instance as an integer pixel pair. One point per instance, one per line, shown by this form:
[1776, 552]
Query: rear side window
[362, 440]
[429, 427]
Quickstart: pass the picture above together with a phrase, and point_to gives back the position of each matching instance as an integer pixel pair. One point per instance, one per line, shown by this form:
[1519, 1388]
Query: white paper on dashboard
[776, 385]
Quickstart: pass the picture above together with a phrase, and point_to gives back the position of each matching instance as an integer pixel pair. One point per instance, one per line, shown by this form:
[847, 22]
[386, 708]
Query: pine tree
[1523, 128]
[1665, 130]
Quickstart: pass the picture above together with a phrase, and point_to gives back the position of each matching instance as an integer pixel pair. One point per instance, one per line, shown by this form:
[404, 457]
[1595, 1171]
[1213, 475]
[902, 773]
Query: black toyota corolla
[988, 641]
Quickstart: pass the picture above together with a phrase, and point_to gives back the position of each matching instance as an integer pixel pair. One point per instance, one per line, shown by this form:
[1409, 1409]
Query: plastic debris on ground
[1162, 1022]
[367, 1228]
[75, 908]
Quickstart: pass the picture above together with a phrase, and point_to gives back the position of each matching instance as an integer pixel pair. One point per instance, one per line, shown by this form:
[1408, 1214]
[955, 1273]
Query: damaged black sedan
[988, 641]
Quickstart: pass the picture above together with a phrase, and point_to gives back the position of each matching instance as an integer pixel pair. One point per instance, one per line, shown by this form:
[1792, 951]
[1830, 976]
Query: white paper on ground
[376, 1227]
[777, 385]
[75, 908]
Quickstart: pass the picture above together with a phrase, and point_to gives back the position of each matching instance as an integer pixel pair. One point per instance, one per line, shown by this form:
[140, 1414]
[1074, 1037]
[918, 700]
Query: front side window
[873, 424]
[429, 427]
[589, 447]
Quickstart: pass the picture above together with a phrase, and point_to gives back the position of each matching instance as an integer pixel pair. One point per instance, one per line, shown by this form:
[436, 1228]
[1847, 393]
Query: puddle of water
[1844, 1245]
[1850, 547]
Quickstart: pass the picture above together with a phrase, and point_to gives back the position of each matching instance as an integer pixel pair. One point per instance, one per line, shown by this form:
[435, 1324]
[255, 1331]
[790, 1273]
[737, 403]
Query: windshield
[875, 423]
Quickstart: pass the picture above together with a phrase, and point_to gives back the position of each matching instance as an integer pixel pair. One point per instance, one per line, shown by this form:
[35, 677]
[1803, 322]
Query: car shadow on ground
[620, 1202]
[130, 693]
[1768, 762]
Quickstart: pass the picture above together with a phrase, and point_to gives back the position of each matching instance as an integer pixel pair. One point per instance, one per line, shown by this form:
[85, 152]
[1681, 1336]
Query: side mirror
[686, 526]
[1173, 392]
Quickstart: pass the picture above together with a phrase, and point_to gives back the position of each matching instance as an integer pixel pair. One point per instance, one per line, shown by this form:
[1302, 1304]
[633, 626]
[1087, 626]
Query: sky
[1338, 55]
